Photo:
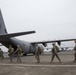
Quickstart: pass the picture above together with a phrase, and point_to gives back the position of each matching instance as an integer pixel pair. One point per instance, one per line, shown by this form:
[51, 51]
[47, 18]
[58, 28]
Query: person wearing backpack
[1, 54]
[75, 52]
[37, 53]
[18, 52]
[55, 50]
[11, 52]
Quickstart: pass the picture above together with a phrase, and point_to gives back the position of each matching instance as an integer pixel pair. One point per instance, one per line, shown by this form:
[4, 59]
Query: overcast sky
[51, 19]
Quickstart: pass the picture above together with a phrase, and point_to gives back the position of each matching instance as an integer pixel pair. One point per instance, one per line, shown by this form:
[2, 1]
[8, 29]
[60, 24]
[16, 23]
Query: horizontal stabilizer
[16, 34]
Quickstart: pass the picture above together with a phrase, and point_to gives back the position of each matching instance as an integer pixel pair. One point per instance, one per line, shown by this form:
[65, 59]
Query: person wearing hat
[55, 50]
[11, 52]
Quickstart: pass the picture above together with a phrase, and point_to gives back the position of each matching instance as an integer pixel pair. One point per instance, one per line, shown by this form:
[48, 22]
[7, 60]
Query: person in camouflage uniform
[37, 53]
[55, 50]
[18, 52]
[1, 54]
[75, 52]
[11, 52]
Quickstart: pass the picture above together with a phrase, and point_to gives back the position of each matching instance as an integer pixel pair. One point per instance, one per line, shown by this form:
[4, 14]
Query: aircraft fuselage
[26, 46]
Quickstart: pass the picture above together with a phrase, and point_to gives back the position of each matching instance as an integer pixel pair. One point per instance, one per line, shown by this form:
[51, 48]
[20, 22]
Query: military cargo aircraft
[28, 47]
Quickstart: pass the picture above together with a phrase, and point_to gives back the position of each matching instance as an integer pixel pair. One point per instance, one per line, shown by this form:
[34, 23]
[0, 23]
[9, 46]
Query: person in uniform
[18, 52]
[11, 52]
[1, 55]
[55, 50]
[75, 52]
[37, 53]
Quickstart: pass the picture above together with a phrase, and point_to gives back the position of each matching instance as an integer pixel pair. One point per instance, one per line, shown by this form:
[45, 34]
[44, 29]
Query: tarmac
[28, 66]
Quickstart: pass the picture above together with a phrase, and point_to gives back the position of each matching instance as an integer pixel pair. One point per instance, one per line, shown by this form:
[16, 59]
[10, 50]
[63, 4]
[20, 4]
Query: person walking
[37, 53]
[18, 52]
[1, 54]
[75, 52]
[55, 50]
[11, 52]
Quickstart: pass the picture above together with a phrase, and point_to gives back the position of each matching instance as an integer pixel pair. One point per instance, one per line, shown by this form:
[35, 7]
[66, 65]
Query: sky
[51, 19]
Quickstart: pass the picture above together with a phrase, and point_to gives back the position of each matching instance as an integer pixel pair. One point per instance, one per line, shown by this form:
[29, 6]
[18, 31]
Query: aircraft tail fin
[2, 25]
[3, 31]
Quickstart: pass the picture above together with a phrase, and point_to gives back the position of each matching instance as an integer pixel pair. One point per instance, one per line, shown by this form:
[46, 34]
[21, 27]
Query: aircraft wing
[16, 34]
[58, 41]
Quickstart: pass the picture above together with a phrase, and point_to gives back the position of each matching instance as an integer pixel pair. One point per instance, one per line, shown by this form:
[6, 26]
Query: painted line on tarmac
[36, 65]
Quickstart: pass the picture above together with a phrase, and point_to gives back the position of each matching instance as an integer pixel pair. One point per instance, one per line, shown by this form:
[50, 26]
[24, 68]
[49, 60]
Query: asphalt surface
[28, 66]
